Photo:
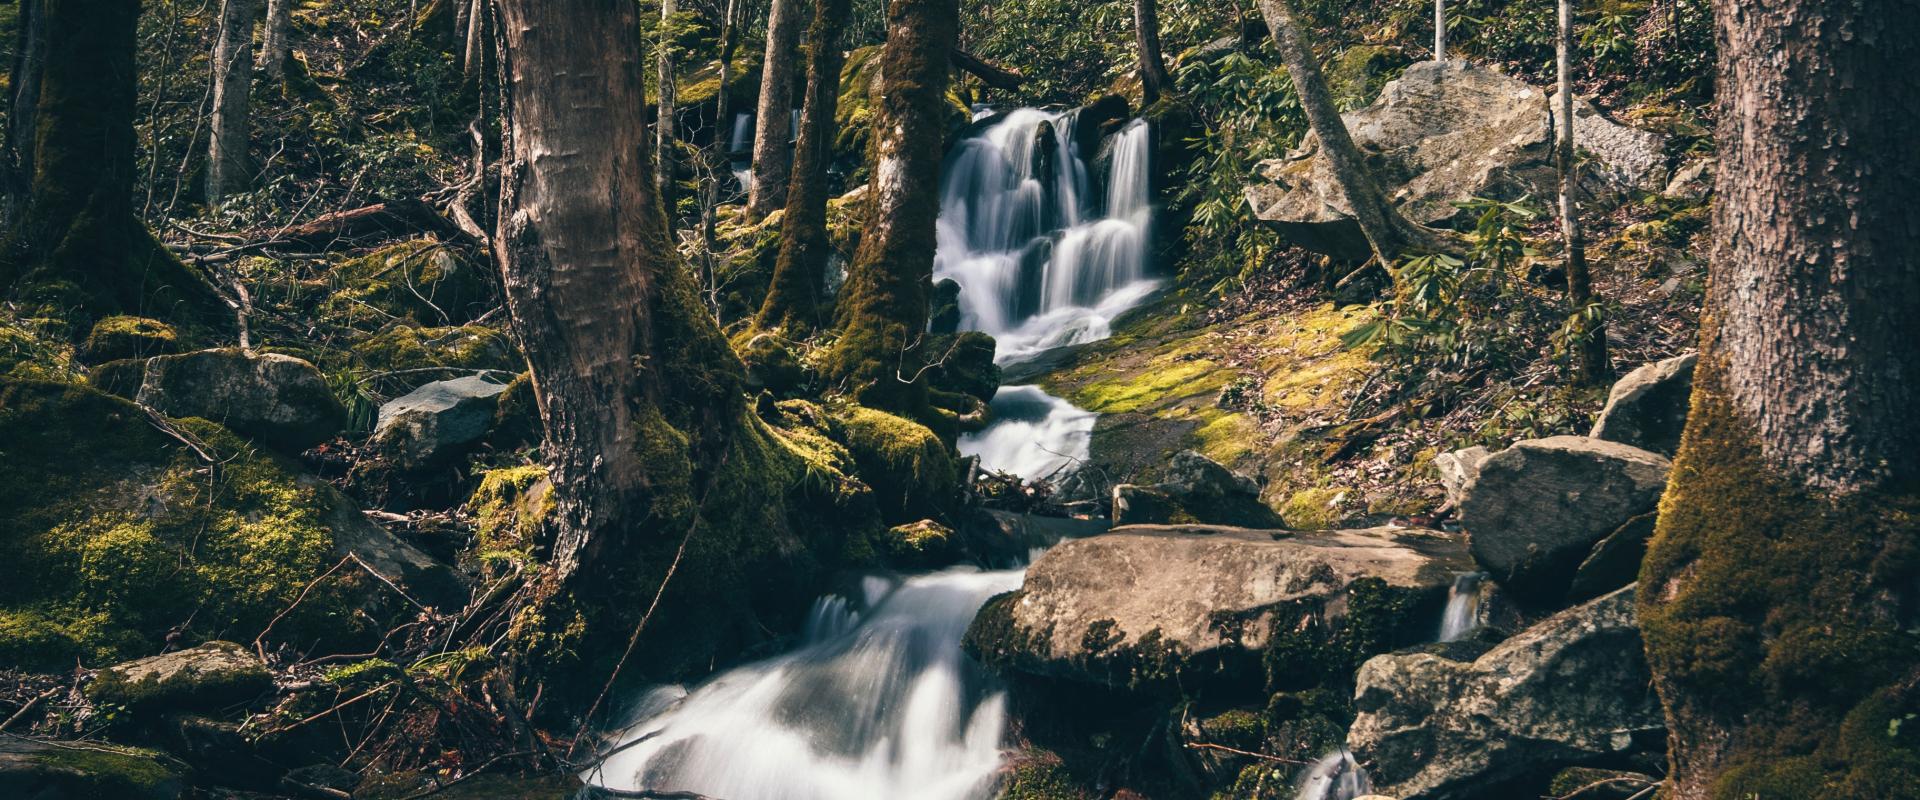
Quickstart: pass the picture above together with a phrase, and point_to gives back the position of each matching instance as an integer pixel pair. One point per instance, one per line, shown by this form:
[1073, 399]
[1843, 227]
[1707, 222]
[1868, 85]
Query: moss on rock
[509, 508]
[119, 337]
[912, 472]
[404, 357]
[118, 532]
[421, 281]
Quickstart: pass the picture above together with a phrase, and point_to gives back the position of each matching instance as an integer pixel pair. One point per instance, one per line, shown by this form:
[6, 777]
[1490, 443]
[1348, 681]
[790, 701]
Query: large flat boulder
[279, 400]
[1199, 602]
[1572, 690]
[1535, 510]
[1443, 133]
[1648, 407]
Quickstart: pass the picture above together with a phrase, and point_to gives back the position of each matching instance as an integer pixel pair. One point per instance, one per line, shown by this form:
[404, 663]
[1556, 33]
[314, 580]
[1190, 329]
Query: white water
[1335, 777]
[1462, 615]
[1035, 435]
[1036, 269]
[880, 703]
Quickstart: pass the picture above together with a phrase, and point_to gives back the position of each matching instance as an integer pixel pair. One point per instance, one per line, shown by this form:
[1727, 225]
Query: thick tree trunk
[1589, 333]
[1389, 233]
[771, 158]
[228, 168]
[1155, 81]
[667, 119]
[883, 307]
[79, 225]
[1778, 597]
[274, 42]
[794, 302]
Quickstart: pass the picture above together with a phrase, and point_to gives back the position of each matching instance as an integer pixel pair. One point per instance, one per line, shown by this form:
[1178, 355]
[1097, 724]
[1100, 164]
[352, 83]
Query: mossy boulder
[1357, 74]
[912, 472]
[121, 528]
[920, 545]
[1197, 489]
[965, 365]
[204, 678]
[49, 770]
[119, 378]
[422, 281]
[279, 400]
[119, 337]
[516, 415]
[772, 365]
[35, 348]
[509, 508]
[404, 357]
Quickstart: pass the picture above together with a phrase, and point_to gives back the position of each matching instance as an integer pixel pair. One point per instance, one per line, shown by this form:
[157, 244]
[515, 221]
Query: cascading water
[1016, 231]
[1035, 435]
[1462, 614]
[740, 151]
[879, 703]
[1335, 777]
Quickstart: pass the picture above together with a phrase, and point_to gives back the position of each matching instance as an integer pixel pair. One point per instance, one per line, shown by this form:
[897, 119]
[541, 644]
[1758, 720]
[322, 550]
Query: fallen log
[992, 75]
[368, 224]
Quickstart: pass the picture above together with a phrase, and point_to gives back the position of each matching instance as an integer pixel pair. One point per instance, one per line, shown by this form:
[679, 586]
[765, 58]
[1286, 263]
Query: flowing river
[878, 701]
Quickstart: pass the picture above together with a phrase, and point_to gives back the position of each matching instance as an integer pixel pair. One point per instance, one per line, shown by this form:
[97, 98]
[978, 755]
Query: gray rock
[279, 400]
[203, 678]
[1693, 181]
[1457, 469]
[32, 769]
[436, 421]
[1196, 489]
[1537, 508]
[1648, 407]
[1573, 689]
[1195, 602]
[995, 537]
[1615, 561]
[1443, 133]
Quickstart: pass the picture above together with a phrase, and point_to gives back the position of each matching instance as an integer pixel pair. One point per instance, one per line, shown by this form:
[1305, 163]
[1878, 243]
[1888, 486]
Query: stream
[877, 701]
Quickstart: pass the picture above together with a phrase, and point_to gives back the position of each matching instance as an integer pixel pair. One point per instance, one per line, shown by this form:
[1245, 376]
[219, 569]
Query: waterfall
[1462, 615]
[1335, 777]
[1016, 231]
[878, 703]
[740, 151]
[1035, 435]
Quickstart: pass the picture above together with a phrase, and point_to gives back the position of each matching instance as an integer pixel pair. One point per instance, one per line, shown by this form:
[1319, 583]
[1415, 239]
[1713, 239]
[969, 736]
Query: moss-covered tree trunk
[1779, 597]
[883, 306]
[717, 151]
[1155, 81]
[771, 159]
[1586, 325]
[228, 168]
[78, 239]
[29, 57]
[1387, 232]
[658, 467]
[793, 300]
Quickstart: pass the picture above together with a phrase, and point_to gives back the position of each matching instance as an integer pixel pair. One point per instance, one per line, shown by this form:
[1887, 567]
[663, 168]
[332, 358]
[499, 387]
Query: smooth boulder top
[1535, 510]
[1173, 584]
[437, 419]
[200, 678]
[272, 398]
[1572, 689]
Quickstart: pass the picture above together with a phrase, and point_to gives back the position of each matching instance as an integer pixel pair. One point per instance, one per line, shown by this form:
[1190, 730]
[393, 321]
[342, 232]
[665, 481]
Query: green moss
[912, 472]
[119, 337]
[1764, 609]
[422, 282]
[1356, 76]
[101, 770]
[117, 532]
[516, 414]
[920, 545]
[184, 688]
[1314, 509]
[510, 507]
[34, 349]
[1042, 777]
[403, 357]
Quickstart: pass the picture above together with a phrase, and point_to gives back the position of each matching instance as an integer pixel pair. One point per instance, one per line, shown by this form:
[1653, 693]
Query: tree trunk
[883, 307]
[1778, 597]
[717, 152]
[793, 301]
[667, 121]
[1588, 332]
[658, 466]
[473, 59]
[771, 158]
[274, 44]
[1389, 233]
[29, 56]
[1155, 81]
[1439, 30]
[79, 225]
[227, 164]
